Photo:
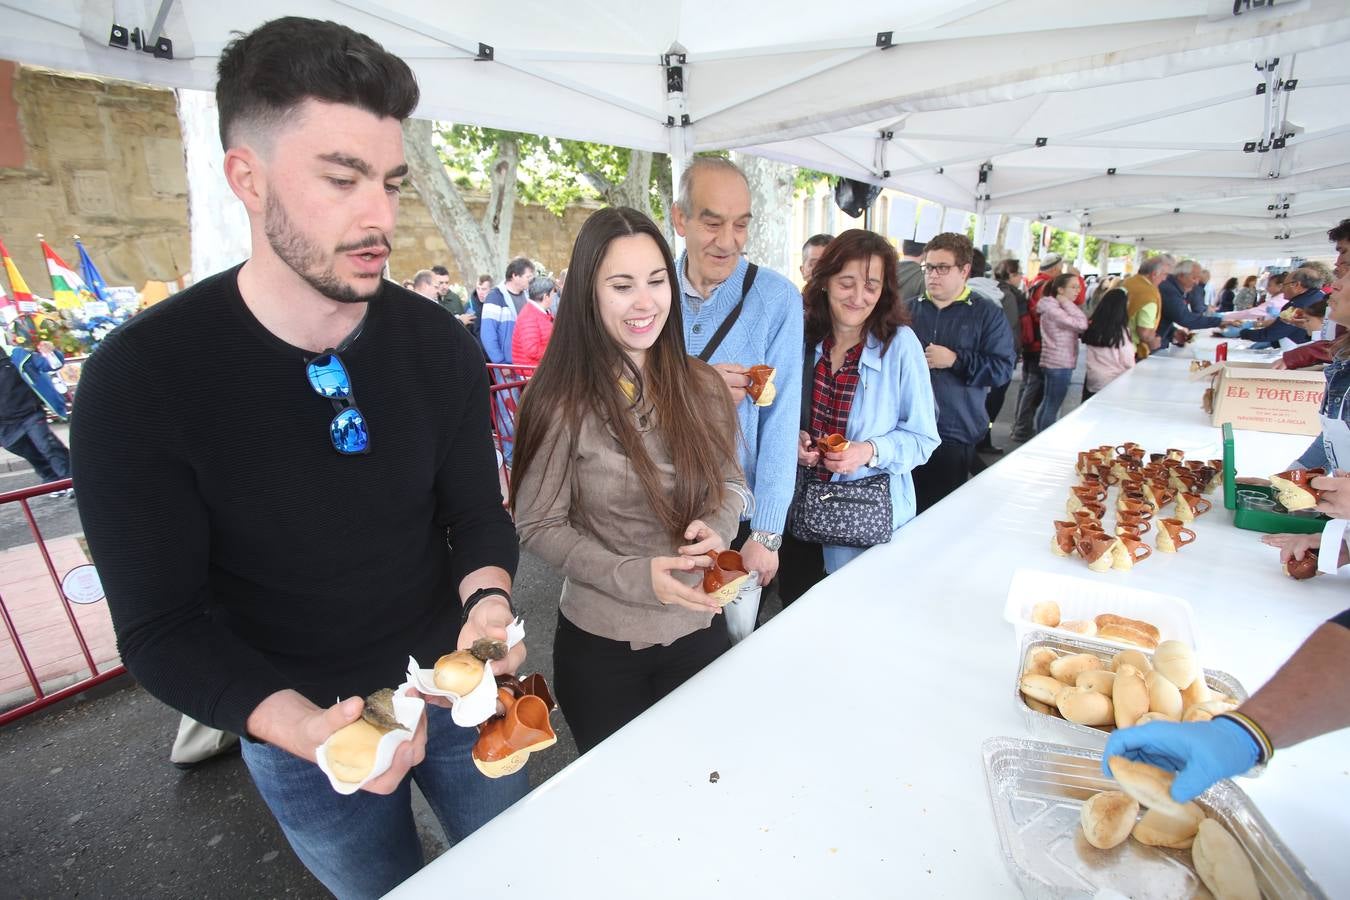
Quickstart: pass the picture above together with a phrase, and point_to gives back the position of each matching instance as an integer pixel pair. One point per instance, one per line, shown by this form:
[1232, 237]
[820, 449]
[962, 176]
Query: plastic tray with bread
[1082, 600]
[1038, 790]
[1053, 725]
[1265, 521]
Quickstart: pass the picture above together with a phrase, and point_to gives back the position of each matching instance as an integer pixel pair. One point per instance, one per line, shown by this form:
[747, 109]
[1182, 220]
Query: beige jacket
[583, 511]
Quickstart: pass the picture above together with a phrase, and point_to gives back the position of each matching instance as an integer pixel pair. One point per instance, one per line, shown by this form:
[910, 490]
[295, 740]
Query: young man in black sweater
[266, 547]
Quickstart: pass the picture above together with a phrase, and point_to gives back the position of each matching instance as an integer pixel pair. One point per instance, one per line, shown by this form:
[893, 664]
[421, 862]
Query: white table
[847, 732]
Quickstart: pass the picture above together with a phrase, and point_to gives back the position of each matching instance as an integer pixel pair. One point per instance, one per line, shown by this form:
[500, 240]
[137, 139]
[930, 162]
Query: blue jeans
[1056, 388]
[363, 844]
[34, 441]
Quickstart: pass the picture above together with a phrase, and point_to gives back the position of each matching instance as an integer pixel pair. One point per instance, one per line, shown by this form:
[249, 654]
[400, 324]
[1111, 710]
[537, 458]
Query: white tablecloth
[846, 733]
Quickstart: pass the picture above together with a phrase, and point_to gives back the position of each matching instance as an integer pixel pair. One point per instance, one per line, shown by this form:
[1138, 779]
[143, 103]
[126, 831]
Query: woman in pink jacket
[534, 325]
[1110, 352]
[1061, 323]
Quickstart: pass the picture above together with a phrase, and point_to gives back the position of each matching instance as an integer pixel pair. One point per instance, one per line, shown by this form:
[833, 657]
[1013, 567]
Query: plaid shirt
[832, 396]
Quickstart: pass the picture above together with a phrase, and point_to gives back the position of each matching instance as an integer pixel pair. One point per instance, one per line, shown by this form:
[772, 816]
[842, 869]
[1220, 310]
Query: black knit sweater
[241, 554]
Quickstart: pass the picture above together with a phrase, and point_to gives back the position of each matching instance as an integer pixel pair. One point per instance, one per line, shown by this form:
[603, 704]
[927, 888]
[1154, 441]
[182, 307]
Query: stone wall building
[103, 159]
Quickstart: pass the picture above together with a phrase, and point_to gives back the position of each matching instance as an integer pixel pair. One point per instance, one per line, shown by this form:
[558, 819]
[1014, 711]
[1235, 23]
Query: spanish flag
[22, 296]
[68, 289]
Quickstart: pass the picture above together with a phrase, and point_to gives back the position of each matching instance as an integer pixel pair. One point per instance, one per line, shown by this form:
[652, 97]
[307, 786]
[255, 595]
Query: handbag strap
[808, 385]
[732, 316]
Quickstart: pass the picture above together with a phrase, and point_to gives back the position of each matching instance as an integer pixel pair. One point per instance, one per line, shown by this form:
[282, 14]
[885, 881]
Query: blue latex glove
[1232, 331]
[1201, 753]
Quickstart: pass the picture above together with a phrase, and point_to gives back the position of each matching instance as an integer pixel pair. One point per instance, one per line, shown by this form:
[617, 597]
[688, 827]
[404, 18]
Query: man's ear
[244, 172]
[677, 219]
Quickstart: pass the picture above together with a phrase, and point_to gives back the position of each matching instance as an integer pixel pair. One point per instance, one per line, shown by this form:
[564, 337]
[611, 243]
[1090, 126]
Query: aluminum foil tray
[1037, 790]
[1055, 728]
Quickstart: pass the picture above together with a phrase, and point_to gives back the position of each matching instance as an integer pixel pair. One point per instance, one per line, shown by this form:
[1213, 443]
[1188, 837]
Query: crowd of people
[241, 565]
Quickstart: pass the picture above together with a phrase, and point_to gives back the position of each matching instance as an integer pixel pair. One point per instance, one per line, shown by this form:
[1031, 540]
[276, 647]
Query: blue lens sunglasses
[329, 378]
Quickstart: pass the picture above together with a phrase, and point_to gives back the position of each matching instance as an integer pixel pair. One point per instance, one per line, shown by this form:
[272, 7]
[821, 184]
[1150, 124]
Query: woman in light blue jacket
[866, 378]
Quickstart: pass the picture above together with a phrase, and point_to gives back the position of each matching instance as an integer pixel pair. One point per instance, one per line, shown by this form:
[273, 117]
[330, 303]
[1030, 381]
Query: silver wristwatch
[770, 540]
[876, 456]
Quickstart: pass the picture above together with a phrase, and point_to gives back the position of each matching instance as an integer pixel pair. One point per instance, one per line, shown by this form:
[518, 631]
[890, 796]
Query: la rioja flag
[68, 289]
[19, 287]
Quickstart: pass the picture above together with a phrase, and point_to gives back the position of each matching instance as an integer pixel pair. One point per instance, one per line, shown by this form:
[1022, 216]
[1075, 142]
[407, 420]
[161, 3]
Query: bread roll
[1129, 697]
[1098, 680]
[1039, 660]
[1041, 687]
[1126, 634]
[1198, 692]
[1293, 496]
[1085, 627]
[351, 751]
[1039, 706]
[1107, 818]
[1176, 661]
[1158, 829]
[1046, 613]
[1134, 658]
[1111, 619]
[1084, 707]
[1163, 696]
[1196, 713]
[1151, 786]
[458, 672]
[1222, 864]
[1068, 668]
[1155, 717]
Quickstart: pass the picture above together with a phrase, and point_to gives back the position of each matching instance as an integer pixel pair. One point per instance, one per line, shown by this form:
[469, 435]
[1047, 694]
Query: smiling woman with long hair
[625, 457]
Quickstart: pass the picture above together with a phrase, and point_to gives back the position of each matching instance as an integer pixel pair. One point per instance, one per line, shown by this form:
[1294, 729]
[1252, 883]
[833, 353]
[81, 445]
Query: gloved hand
[1201, 753]
[1232, 331]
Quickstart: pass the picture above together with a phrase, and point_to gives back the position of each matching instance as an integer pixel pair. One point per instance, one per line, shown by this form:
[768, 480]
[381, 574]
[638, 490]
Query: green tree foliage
[1065, 243]
[553, 173]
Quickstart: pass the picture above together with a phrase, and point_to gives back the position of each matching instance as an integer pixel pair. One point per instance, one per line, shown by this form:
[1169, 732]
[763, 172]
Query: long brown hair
[581, 370]
[889, 313]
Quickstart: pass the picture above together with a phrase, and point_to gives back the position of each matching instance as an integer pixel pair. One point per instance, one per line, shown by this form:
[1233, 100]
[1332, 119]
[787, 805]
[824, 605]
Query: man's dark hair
[518, 266]
[263, 75]
[817, 240]
[440, 270]
[484, 279]
[978, 265]
[1341, 232]
[1006, 269]
[958, 245]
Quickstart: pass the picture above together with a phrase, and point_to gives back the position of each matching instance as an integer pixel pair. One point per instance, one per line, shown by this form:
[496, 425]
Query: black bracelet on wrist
[480, 594]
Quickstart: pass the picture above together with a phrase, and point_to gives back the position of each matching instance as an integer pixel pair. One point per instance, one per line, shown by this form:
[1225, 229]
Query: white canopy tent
[1123, 120]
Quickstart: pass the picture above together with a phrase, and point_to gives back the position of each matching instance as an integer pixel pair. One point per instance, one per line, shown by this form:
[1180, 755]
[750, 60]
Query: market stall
[838, 752]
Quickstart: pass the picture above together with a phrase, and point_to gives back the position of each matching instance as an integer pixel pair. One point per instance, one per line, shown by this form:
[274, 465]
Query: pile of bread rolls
[1111, 817]
[1127, 689]
[1108, 626]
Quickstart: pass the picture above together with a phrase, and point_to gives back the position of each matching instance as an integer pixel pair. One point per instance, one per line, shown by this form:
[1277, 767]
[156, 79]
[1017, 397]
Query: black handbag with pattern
[847, 513]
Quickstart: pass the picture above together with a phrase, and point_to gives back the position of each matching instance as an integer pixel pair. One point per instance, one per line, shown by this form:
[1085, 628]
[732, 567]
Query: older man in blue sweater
[712, 214]
[969, 348]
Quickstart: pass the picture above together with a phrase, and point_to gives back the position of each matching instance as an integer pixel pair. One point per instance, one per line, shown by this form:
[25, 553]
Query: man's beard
[306, 259]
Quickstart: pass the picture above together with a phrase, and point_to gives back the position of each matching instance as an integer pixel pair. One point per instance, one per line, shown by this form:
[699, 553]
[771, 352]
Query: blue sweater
[769, 331]
[498, 324]
[978, 333]
[893, 407]
[1177, 311]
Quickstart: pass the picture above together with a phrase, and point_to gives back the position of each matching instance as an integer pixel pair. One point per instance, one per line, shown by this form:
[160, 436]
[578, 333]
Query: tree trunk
[500, 211]
[771, 202]
[474, 249]
[218, 228]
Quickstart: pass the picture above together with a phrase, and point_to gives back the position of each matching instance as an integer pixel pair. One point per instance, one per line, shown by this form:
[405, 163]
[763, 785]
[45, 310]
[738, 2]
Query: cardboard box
[1258, 398]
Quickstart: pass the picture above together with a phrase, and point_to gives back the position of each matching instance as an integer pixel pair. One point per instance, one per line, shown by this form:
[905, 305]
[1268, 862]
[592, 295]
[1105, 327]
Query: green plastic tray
[1259, 519]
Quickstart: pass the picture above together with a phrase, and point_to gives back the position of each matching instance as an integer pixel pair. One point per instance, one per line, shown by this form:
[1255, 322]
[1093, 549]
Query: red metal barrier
[41, 697]
[503, 400]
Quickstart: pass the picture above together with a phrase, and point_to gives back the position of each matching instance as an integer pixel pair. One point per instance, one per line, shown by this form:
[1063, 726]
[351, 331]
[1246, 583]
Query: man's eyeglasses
[940, 269]
[329, 378]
